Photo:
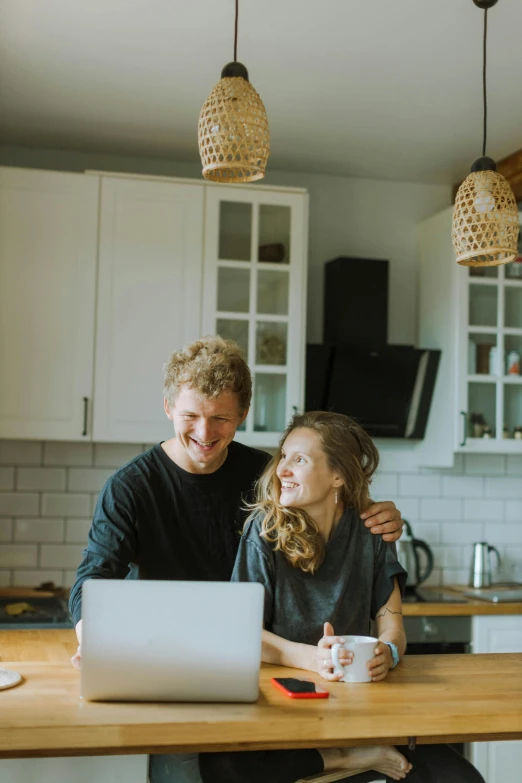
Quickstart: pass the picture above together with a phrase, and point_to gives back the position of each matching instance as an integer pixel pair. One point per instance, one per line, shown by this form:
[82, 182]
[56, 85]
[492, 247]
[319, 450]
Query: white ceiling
[368, 88]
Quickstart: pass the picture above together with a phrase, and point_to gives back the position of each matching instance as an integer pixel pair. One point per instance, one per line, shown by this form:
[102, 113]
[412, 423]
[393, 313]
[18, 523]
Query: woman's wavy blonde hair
[349, 452]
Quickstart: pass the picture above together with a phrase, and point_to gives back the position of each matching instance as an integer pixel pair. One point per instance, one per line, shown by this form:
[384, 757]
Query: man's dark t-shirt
[169, 523]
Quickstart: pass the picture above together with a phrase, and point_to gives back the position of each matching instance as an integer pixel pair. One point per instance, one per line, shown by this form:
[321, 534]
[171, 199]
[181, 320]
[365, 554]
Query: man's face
[204, 428]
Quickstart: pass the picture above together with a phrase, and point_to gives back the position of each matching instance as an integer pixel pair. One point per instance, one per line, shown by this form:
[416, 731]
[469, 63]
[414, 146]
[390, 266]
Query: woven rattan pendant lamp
[485, 217]
[234, 141]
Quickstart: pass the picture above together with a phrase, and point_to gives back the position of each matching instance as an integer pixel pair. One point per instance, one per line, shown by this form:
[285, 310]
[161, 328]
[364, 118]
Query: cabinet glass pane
[483, 271]
[481, 409]
[512, 354]
[235, 231]
[274, 234]
[272, 292]
[271, 341]
[481, 359]
[233, 290]
[269, 402]
[513, 411]
[513, 307]
[483, 305]
[234, 330]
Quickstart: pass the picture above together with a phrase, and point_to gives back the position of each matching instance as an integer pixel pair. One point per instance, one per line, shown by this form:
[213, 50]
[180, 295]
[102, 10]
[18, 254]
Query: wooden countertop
[470, 607]
[436, 698]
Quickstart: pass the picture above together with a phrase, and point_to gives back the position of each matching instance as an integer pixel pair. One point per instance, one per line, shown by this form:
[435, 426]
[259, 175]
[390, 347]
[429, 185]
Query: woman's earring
[335, 497]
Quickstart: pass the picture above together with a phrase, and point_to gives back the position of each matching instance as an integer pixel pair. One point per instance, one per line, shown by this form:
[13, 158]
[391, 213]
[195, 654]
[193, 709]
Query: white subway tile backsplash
[18, 504]
[384, 486]
[487, 510]
[35, 577]
[427, 531]
[60, 556]
[41, 478]
[38, 530]
[77, 530]
[484, 464]
[6, 529]
[65, 505]
[7, 478]
[455, 576]
[20, 452]
[503, 488]
[409, 508]
[88, 479]
[463, 486]
[18, 555]
[461, 532]
[513, 511]
[48, 492]
[514, 465]
[439, 509]
[115, 454]
[65, 454]
[69, 578]
[503, 534]
[416, 485]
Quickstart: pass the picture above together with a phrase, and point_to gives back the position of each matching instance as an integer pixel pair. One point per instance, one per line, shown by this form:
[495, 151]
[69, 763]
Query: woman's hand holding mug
[380, 665]
[323, 658]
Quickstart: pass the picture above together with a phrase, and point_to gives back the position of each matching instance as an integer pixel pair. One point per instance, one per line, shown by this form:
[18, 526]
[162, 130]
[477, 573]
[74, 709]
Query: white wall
[352, 217]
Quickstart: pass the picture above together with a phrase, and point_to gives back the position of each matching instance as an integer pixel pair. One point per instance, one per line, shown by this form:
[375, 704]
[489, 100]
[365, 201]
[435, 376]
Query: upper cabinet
[102, 277]
[48, 245]
[149, 300]
[254, 293]
[475, 316]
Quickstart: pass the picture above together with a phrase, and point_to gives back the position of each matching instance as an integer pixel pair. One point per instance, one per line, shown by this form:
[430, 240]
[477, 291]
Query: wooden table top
[435, 698]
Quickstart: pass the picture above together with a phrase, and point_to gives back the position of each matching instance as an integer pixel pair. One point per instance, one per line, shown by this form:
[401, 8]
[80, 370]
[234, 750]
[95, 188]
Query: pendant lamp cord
[485, 128]
[235, 31]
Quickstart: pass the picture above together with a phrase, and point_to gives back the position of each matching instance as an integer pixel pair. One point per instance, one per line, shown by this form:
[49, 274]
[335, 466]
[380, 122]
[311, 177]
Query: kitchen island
[434, 698]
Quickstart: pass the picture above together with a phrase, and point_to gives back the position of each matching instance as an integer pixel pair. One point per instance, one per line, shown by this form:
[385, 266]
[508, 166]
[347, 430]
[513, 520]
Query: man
[177, 510]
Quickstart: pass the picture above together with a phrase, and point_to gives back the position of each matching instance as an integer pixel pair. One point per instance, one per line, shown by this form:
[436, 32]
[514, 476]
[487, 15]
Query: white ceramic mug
[363, 648]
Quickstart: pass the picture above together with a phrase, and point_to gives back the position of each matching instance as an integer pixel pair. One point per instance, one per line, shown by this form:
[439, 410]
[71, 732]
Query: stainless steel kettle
[480, 571]
[407, 547]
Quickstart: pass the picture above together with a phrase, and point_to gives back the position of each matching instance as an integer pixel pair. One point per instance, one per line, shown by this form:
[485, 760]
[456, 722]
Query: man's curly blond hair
[212, 366]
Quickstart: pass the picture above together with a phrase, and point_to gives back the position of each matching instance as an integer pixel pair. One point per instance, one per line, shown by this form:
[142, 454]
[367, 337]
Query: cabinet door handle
[85, 414]
[464, 434]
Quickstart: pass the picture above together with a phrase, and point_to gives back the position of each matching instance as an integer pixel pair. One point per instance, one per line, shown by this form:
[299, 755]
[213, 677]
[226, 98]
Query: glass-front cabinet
[255, 286]
[490, 334]
[474, 315]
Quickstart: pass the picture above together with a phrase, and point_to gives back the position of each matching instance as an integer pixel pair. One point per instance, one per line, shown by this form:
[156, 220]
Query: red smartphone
[299, 689]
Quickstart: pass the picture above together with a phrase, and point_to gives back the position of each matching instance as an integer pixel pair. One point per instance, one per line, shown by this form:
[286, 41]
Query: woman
[322, 571]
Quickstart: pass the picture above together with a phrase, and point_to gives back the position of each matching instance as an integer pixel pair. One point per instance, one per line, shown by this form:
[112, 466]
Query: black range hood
[387, 388]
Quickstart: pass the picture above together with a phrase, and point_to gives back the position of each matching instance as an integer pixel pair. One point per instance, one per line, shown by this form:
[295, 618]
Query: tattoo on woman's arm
[384, 612]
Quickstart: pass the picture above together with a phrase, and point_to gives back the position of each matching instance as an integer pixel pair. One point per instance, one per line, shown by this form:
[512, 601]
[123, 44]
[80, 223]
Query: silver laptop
[171, 641]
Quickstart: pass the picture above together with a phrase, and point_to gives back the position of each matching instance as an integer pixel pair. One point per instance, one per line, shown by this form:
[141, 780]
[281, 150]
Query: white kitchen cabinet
[83, 769]
[149, 300]
[254, 293]
[48, 238]
[465, 312]
[498, 762]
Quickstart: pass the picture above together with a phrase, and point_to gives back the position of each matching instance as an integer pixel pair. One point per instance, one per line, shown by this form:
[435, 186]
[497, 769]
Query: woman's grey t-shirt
[352, 583]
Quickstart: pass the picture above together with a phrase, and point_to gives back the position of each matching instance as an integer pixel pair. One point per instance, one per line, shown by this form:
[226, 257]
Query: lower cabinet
[84, 769]
[498, 762]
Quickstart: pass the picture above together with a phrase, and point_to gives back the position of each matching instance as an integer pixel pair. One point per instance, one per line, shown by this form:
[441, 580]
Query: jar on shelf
[513, 363]
[486, 432]
[505, 432]
[493, 360]
[477, 424]
[514, 269]
[517, 433]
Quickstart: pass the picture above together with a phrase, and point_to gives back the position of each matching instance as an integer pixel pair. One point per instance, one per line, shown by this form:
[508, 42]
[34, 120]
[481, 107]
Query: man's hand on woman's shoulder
[384, 519]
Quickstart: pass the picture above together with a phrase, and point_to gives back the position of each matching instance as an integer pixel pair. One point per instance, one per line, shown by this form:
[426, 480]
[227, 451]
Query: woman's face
[306, 480]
